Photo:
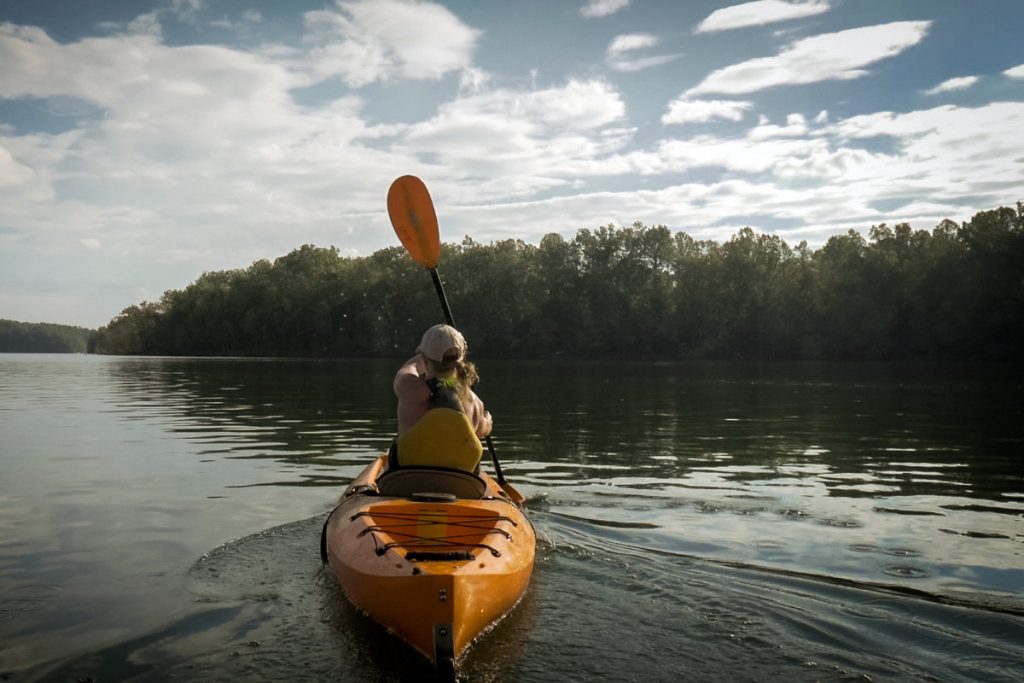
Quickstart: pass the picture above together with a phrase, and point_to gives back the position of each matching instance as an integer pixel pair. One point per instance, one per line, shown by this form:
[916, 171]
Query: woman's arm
[412, 393]
[483, 423]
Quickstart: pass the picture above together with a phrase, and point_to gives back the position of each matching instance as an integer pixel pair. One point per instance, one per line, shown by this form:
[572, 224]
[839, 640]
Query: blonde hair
[454, 372]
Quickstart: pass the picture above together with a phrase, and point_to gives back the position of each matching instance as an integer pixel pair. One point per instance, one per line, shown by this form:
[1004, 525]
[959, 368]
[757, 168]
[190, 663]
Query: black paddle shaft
[451, 321]
[440, 295]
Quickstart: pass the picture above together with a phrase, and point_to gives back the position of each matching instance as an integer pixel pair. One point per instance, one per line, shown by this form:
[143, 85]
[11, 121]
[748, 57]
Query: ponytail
[457, 374]
[467, 375]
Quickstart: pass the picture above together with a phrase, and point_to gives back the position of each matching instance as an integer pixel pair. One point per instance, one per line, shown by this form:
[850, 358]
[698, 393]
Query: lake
[160, 518]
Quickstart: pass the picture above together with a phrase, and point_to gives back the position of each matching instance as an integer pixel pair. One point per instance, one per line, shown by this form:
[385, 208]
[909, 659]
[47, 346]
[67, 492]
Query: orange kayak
[434, 555]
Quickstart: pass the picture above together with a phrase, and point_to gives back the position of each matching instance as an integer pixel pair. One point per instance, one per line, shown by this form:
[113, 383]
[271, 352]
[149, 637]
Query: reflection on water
[905, 474]
[306, 413]
[820, 484]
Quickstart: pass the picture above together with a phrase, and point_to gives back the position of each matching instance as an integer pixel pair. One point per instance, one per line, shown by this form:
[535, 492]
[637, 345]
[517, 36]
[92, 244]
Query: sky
[144, 142]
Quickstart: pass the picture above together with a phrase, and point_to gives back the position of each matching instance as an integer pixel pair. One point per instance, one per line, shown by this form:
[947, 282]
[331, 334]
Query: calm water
[159, 518]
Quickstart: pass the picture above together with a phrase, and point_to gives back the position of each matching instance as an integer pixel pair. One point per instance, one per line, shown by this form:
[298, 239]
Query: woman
[439, 376]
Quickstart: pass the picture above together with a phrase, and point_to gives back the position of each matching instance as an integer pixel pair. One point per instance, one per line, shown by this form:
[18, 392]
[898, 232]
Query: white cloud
[683, 110]
[603, 8]
[961, 83]
[796, 127]
[247, 19]
[579, 105]
[743, 155]
[830, 178]
[144, 24]
[186, 10]
[91, 243]
[12, 172]
[186, 6]
[973, 145]
[36, 66]
[759, 13]
[380, 40]
[825, 172]
[829, 56]
[516, 142]
[631, 41]
[1015, 72]
[473, 80]
[641, 63]
[706, 210]
[620, 52]
[192, 149]
[942, 153]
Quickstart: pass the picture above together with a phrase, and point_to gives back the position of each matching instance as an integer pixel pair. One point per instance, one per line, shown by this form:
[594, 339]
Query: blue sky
[143, 143]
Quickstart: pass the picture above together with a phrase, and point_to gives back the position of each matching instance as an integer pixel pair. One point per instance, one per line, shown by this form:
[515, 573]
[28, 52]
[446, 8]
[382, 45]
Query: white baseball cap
[441, 342]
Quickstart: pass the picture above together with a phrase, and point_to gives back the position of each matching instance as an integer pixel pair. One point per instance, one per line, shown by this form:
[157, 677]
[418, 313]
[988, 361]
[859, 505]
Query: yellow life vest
[443, 437]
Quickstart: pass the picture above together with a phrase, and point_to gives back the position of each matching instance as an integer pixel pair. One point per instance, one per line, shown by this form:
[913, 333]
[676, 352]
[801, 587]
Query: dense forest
[18, 337]
[956, 292]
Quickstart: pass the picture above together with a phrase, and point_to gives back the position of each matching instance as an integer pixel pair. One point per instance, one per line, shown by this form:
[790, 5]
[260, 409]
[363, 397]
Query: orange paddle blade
[514, 495]
[412, 215]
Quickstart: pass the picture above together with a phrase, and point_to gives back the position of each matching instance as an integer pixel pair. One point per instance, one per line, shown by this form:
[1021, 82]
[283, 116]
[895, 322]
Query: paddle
[415, 222]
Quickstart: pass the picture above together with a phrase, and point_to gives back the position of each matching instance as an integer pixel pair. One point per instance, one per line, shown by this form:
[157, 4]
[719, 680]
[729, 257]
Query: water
[159, 518]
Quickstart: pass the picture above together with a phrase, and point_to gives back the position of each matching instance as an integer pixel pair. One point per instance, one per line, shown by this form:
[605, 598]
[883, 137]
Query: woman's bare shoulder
[409, 387]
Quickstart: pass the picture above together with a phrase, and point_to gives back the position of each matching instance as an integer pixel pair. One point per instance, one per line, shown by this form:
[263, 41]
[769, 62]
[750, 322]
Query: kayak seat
[406, 482]
[443, 437]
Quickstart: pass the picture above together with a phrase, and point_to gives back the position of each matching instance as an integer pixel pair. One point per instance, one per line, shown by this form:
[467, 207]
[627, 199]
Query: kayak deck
[434, 568]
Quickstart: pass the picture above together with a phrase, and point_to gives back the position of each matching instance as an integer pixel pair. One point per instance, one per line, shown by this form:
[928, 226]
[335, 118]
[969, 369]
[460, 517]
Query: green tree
[21, 337]
[624, 292]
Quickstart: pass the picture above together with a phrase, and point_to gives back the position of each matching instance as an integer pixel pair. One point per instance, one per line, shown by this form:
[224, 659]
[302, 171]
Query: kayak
[435, 555]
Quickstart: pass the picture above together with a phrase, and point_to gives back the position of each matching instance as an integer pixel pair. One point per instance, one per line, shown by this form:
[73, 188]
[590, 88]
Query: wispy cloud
[819, 176]
[246, 20]
[631, 41]
[186, 10]
[378, 40]
[759, 13]
[603, 8]
[796, 127]
[830, 56]
[621, 53]
[12, 172]
[515, 143]
[473, 80]
[946, 151]
[684, 110]
[960, 83]
[1015, 72]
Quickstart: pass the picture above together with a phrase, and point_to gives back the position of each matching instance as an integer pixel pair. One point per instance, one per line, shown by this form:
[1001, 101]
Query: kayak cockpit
[406, 482]
[422, 481]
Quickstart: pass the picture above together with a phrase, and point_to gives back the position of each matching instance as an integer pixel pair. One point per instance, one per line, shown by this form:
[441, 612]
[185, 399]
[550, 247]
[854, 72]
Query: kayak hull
[434, 569]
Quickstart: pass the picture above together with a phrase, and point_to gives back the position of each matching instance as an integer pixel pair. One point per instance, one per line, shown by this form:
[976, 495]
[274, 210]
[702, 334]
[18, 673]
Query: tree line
[20, 337]
[955, 292]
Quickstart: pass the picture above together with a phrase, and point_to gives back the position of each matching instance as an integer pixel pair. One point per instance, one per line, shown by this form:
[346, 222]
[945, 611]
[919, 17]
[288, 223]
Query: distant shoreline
[21, 337]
